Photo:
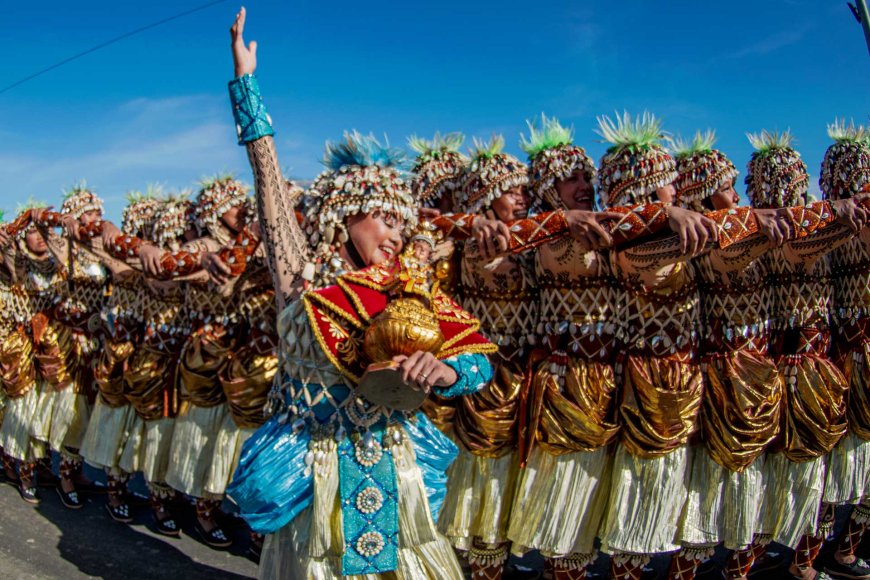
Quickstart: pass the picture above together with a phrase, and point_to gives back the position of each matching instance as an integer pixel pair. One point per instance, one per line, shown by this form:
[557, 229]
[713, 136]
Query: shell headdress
[491, 174]
[362, 176]
[80, 200]
[636, 164]
[438, 168]
[553, 157]
[138, 217]
[701, 169]
[217, 196]
[846, 166]
[776, 176]
[176, 215]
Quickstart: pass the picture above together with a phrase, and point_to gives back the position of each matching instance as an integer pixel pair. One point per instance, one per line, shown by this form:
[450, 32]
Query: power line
[112, 41]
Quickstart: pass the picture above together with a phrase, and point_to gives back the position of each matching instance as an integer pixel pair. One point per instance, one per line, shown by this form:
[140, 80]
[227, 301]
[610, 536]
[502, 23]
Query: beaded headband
[776, 176]
[636, 164]
[438, 168]
[846, 166]
[701, 169]
[491, 174]
[553, 157]
[80, 200]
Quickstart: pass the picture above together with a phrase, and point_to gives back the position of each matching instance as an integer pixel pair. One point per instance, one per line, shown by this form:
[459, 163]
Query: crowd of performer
[628, 360]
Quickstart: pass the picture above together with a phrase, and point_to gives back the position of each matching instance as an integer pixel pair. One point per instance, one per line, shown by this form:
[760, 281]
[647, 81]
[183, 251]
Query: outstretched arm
[286, 247]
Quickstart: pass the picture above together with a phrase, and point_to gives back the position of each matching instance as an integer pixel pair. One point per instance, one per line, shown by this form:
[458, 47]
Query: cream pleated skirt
[560, 502]
[15, 433]
[194, 441]
[230, 439]
[722, 505]
[310, 546]
[107, 434]
[646, 500]
[148, 448]
[61, 418]
[480, 492]
[848, 474]
[793, 498]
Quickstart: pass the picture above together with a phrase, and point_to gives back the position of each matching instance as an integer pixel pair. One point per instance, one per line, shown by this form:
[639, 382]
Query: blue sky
[154, 109]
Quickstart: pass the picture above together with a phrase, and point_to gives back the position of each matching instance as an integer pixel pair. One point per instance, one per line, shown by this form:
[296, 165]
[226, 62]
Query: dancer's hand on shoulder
[150, 257]
[244, 57]
[217, 270]
[694, 229]
[775, 224]
[491, 235]
[585, 227]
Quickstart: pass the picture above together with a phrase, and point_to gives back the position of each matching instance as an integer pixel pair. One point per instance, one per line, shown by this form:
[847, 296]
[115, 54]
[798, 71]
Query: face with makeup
[236, 218]
[577, 191]
[667, 193]
[90, 217]
[35, 242]
[512, 205]
[376, 236]
[725, 197]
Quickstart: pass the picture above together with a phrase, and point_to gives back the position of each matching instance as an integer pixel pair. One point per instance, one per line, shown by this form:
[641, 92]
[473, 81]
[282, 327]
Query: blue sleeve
[252, 120]
[473, 371]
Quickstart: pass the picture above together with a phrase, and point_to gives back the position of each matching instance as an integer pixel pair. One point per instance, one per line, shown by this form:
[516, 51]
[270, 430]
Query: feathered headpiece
[636, 164]
[80, 200]
[701, 169]
[776, 176]
[846, 166]
[438, 168]
[553, 157]
[137, 219]
[492, 173]
[173, 218]
[362, 176]
[217, 196]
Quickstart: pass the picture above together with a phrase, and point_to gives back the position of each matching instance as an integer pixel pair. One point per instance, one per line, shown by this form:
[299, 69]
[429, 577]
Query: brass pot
[404, 327]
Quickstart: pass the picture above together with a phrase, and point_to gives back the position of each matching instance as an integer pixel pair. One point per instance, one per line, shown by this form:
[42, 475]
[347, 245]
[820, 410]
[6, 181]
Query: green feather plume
[31, 203]
[700, 143]
[448, 142]
[767, 141]
[840, 132]
[481, 149]
[550, 135]
[630, 134]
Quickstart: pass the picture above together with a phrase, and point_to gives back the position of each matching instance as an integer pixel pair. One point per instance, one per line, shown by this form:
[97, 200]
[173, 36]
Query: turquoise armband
[252, 120]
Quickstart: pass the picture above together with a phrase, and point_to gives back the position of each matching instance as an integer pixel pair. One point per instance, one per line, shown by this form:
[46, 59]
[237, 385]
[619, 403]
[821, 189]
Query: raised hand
[244, 57]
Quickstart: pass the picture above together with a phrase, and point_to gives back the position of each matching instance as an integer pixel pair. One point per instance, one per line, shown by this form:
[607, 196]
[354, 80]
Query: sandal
[167, 526]
[29, 494]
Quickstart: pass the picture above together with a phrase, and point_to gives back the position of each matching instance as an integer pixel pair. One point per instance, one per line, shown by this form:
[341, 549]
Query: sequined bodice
[663, 322]
[735, 307]
[505, 299]
[207, 305]
[163, 317]
[578, 298]
[850, 275]
[41, 283]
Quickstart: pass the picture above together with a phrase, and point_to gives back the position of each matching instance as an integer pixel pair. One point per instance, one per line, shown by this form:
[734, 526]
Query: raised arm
[286, 248]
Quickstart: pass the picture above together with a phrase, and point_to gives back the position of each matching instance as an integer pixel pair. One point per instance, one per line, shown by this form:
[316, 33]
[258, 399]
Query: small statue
[408, 324]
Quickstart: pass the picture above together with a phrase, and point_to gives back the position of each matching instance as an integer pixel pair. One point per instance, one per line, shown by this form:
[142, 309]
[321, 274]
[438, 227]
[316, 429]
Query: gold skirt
[560, 502]
[15, 432]
[646, 499]
[856, 368]
[722, 505]
[61, 418]
[148, 448]
[741, 407]
[480, 492]
[310, 546]
[107, 434]
[194, 442]
[17, 373]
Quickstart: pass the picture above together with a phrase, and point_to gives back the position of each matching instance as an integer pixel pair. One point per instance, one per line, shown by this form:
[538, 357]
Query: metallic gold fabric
[149, 383]
[814, 413]
[486, 422]
[202, 360]
[246, 381]
[54, 342]
[741, 409]
[440, 411]
[17, 372]
[109, 372]
[660, 403]
[856, 367]
[576, 416]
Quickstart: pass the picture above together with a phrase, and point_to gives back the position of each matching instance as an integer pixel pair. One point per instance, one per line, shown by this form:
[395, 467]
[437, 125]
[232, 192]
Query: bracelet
[252, 120]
